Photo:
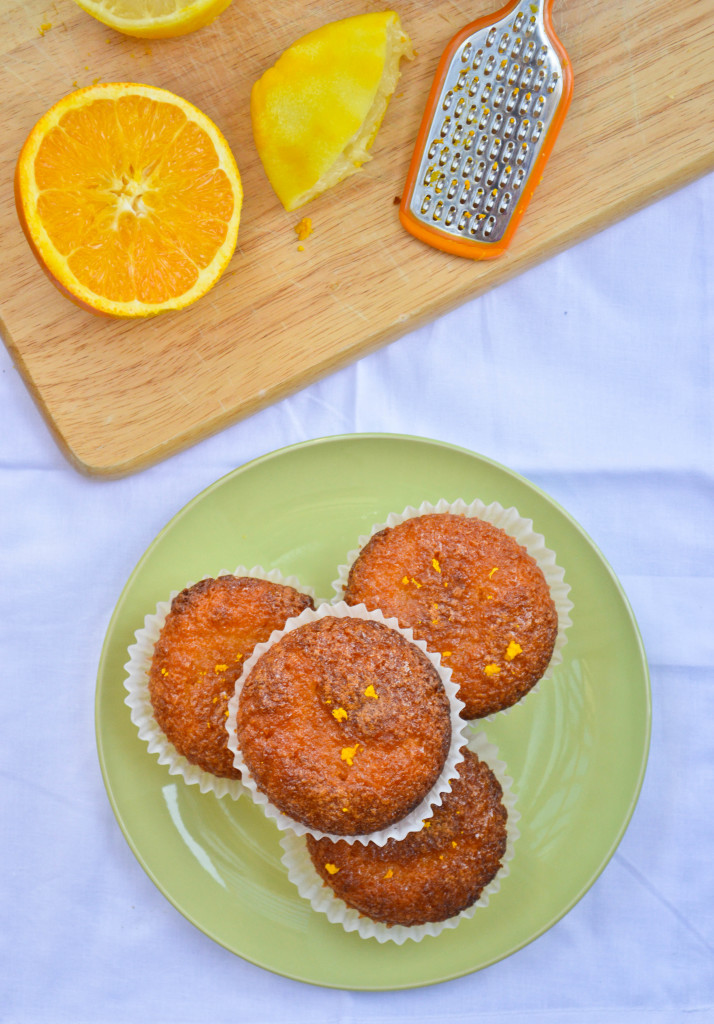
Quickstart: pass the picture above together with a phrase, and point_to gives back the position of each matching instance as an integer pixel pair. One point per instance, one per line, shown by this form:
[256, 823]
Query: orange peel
[130, 199]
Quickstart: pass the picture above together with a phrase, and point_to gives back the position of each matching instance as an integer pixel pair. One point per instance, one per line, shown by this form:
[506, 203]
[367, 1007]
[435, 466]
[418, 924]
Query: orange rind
[130, 199]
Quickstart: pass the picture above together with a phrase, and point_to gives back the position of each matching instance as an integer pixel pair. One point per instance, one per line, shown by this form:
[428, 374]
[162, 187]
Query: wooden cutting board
[121, 395]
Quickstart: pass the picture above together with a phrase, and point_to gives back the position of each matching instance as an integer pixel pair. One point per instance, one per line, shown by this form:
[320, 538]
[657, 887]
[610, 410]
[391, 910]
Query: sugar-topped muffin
[344, 725]
[430, 875]
[211, 628]
[472, 594]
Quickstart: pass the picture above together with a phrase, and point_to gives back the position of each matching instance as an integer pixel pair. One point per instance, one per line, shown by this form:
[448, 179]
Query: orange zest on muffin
[495, 619]
[319, 745]
[432, 874]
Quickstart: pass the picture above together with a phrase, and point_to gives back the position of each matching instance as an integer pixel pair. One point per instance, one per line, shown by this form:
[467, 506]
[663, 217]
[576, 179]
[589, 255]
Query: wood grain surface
[120, 395]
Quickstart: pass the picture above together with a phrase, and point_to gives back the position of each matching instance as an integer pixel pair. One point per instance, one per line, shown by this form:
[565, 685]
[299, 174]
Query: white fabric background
[593, 376]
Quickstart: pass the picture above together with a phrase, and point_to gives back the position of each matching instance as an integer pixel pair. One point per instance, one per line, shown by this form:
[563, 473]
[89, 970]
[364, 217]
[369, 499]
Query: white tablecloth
[593, 376]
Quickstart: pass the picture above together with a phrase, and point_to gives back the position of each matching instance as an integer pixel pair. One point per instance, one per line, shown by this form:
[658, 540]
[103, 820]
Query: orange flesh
[132, 195]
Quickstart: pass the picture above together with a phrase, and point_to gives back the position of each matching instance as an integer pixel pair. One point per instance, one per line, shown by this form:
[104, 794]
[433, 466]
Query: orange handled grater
[499, 98]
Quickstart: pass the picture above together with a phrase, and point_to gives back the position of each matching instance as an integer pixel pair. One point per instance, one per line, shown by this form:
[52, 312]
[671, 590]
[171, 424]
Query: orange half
[130, 199]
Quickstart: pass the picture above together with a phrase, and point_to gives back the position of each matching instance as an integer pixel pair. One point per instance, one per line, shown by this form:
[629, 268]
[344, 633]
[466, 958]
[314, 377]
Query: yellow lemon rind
[355, 148]
[192, 16]
[356, 152]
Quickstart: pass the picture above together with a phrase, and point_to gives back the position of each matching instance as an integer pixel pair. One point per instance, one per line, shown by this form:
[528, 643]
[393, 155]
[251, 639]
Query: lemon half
[316, 112]
[154, 19]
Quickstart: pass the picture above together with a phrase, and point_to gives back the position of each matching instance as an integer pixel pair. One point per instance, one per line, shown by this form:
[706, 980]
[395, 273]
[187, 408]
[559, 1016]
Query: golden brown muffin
[469, 591]
[432, 874]
[211, 629]
[344, 725]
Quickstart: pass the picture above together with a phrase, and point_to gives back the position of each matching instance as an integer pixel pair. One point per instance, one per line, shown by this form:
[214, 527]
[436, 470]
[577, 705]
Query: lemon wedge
[154, 19]
[316, 112]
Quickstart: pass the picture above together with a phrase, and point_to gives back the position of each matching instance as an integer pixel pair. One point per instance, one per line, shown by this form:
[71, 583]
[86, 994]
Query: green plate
[576, 749]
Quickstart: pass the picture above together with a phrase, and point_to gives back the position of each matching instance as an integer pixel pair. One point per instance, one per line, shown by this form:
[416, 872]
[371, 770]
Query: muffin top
[344, 725]
[472, 594]
[432, 874]
[211, 628]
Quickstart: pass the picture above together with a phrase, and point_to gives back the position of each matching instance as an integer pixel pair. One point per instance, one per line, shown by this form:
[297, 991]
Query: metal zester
[499, 98]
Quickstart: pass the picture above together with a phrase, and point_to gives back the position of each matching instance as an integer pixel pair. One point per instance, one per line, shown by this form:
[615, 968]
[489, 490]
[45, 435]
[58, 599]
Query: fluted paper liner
[511, 522]
[412, 821]
[137, 685]
[311, 887]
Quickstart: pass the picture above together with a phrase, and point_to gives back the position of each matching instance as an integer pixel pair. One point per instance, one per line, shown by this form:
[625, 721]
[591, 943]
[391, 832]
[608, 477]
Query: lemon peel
[154, 19]
[316, 111]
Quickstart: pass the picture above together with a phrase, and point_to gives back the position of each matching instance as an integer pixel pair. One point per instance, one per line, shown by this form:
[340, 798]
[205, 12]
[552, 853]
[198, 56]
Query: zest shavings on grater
[498, 100]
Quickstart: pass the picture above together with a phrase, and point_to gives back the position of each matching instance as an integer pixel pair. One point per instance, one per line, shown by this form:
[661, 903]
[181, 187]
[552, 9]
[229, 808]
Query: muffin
[472, 593]
[431, 875]
[343, 724]
[210, 629]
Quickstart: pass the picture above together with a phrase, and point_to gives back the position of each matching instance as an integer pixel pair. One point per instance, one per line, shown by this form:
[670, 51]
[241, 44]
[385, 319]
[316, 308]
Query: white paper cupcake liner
[511, 522]
[137, 685]
[303, 875]
[411, 822]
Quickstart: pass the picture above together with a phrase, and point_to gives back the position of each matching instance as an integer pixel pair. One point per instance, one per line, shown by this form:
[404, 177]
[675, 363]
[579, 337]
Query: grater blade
[499, 98]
